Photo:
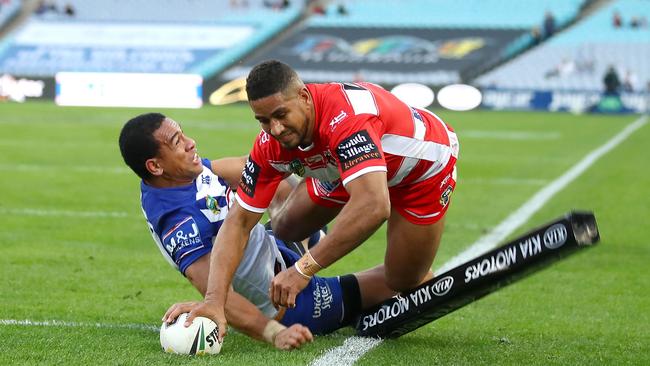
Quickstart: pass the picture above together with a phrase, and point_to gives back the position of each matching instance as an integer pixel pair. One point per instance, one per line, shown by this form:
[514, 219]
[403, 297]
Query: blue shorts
[321, 305]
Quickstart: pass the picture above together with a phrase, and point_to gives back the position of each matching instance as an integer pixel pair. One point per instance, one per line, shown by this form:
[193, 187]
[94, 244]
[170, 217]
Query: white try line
[506, 181]
[347, 354]
[61, 323]
[63, 213]
[488, 241]
[40, 168]
[509, 135]
[354, 348]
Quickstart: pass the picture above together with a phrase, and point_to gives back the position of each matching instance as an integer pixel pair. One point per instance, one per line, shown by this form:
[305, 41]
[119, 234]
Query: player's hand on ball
[293, 337]
[206, 308]
[285, 287]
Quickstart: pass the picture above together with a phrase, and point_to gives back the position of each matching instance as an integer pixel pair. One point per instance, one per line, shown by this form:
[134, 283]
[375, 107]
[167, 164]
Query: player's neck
[166, 182]
[308, 141]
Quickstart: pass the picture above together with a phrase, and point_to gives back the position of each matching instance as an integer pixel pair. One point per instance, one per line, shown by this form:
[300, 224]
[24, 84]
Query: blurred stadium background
[548, 81]
[539, 54]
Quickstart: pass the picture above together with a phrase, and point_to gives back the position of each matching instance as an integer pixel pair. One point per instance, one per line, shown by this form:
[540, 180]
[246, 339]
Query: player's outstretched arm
[226, 254]
[241, 313]
[367, 209]
[248, 319]
[229, 169]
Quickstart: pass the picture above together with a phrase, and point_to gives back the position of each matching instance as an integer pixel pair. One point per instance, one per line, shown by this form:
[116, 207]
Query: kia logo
[555, 236]
[442, 286]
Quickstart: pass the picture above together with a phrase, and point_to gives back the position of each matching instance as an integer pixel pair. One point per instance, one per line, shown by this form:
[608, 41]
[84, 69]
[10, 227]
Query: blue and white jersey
[185, 220]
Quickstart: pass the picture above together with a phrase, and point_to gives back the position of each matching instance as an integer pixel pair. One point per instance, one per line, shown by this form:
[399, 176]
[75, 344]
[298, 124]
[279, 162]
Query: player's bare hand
[285, 286]
[208, 309]
[293, 337]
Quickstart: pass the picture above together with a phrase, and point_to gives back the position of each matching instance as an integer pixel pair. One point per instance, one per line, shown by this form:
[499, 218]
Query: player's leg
[300, 216]
[415, 227]
[410, 251]
[372, 286]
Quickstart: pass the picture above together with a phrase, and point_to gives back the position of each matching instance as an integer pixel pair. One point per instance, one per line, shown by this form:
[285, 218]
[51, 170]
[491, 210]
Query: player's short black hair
[137, 143]
[268, 78]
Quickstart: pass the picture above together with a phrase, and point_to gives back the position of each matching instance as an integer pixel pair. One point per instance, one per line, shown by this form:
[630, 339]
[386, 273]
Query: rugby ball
[198, 339]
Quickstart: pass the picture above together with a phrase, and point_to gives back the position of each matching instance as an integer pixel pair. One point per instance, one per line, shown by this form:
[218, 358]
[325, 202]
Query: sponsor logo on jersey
[183, 234]
[330, 158]
[446, 195]
[356, 149]
[249, 177]
[297, 168]
[555, 236]
[322, 299]
[416, 114]
[212, 204]
[338, 119]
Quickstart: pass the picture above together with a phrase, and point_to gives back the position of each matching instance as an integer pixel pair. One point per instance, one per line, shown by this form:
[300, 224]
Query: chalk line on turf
[523, 213]
[347, 354]
[63, 213]
[61, 323]
[347, 351]
[354, 348]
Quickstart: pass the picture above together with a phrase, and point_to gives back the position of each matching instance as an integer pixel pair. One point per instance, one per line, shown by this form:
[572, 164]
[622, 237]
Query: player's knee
[403, 282]
[282, 230]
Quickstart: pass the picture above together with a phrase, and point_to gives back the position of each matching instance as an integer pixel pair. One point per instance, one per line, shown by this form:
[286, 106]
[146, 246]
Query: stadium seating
[112, 18]
[578, 58]
[447, 13]
[164, 10]
[8, 10]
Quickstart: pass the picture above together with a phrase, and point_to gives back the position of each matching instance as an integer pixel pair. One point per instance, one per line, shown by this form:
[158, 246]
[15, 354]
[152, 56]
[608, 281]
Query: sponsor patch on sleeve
[182, 237]
[356, 149]
[249, 177]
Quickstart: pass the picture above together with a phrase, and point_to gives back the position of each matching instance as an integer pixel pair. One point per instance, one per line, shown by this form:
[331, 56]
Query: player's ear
[304, 95]
[306, 100]
[153, 167]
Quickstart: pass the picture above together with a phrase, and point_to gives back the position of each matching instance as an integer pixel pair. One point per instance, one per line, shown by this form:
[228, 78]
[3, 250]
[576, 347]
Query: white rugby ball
[198, 339]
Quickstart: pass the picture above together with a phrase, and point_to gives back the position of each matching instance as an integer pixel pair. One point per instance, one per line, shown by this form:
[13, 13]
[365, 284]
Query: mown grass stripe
[524, 213]
[354, 348]
[62, 323]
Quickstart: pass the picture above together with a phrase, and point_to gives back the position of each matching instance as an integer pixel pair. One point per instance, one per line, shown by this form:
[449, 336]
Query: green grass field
[74, 246]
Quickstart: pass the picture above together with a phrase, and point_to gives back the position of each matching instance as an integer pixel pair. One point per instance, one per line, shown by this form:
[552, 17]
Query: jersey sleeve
[357, 147]
[182, 240]
[259, 180]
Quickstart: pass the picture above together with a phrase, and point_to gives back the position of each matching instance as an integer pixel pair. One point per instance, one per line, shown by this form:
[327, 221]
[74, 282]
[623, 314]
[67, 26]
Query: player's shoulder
[266, 145]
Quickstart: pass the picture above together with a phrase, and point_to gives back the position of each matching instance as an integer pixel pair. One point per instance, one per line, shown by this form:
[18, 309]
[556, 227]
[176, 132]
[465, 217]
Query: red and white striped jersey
[359, 128]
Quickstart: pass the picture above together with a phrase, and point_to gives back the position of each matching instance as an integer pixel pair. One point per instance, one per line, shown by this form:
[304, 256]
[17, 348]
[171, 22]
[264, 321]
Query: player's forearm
[245, 316]
[354, 224]
[226, 255]
[367, 208]
[229, 169]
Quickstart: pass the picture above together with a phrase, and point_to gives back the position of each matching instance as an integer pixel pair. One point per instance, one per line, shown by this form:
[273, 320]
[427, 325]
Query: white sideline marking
[57, 168]
[60, 323]
[506, 181]
[523, 213]
[348, 354]
[509, 135]
[66, 213]
[352, 349]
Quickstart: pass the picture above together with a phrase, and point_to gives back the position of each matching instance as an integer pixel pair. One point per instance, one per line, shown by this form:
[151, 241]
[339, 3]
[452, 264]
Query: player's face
[177, 156]
[287, 117]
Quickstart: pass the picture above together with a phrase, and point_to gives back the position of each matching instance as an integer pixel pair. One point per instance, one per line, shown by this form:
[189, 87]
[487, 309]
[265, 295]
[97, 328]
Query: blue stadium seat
[585, 50]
